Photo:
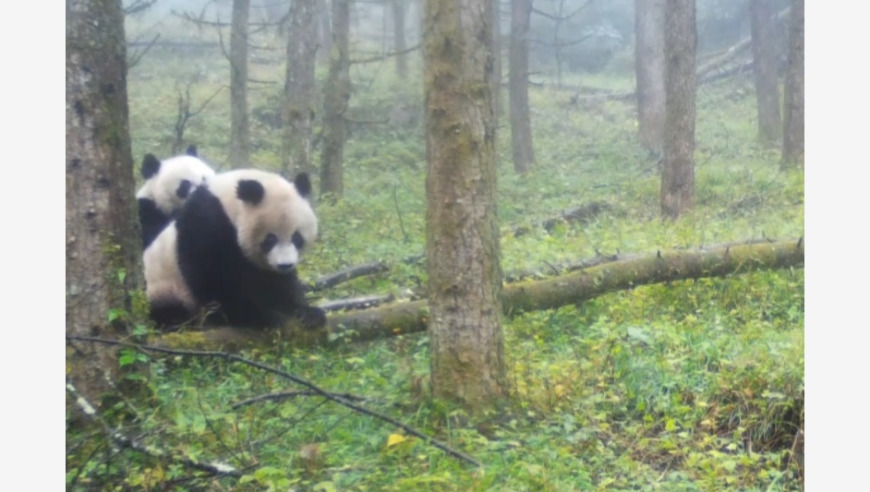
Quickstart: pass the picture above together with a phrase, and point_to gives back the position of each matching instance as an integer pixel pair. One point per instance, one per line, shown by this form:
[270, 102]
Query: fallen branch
[608, 275]
[284, 395]
[122, 441]
[349, 273]
[355, 303]
[335, 397]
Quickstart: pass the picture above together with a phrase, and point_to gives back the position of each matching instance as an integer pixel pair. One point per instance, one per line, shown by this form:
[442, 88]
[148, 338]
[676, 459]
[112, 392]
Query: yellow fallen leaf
[395, 439]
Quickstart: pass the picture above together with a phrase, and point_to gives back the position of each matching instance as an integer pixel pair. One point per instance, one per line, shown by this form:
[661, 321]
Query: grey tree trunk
[496, 57]
[764, 63]
[678, 173]
[649, 65]
[240, 137]
[793, 128]
[462, 235]
[518, 87]
[324, 31]
[299, 95]
[399, 45]
[335, 99]
[102, 232]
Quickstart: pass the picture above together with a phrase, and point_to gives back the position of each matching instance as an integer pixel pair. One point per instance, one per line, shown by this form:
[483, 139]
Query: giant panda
[236, 242]
[167, 184]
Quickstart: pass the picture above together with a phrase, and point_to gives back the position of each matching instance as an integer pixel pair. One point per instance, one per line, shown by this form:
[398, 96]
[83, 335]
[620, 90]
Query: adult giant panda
[236, 241]
[167, 185]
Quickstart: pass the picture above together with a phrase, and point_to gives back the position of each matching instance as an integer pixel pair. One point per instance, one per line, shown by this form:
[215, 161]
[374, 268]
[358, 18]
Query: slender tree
[518, 87]
[335, 98]
[102, 234]
[299, 95]
[240, 138]
[793, 128]
[764, 63]
[678, 173]
[649, 65]
[399, 45]
[324, 29]
[462, 237]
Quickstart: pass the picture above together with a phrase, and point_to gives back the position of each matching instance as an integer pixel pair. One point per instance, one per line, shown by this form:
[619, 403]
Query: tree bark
[649, 63]
[462, 235]
[764, 66]
[498, 108]
[518, 87]
[399, 44]
[793, 128]
[336, 97]
[678, 173]
[240, 137]
[299, 95]
[324, 31]
[102, 231]
[626, 272]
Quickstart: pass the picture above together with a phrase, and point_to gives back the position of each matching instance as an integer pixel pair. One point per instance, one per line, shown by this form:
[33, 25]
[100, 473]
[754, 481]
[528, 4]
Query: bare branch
[291, 377]
[284, 395]
[386, 55]
[137, 56]
[122, 441]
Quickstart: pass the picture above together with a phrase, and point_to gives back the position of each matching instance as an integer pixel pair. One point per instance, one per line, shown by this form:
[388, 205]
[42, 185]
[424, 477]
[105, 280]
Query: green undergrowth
[691, 385]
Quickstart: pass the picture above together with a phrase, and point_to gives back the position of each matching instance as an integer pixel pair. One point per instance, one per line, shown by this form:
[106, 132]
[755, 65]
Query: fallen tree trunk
[412, 316]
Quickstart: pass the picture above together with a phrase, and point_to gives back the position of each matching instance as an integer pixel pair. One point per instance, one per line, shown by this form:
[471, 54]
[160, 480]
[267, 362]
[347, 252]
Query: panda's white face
[175, 179]
[273, 220]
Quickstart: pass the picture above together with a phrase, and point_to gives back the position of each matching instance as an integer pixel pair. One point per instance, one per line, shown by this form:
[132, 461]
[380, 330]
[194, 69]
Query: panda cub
[236, 241]
[167, 185]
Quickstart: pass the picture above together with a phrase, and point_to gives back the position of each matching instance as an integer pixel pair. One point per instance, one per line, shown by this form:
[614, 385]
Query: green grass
[694, 385]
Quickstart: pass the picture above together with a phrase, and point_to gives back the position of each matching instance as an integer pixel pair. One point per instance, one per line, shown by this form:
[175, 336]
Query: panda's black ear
[303, 184]
[150, 166]
[191, 150]
[250, 191]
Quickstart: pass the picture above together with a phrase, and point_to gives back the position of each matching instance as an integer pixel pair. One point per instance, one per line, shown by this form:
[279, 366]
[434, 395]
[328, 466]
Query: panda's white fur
[164, 283]
[235, 242]
[282, 211]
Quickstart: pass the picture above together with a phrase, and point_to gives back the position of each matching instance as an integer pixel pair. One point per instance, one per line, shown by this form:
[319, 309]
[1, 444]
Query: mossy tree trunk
[462, 236]
[102, 233]
[240, 133]
[299, 95]
[764, 66]
[623, 272]
[649, 67]
[335, 100]
[518, 87]
[793, 127]
[324, 30]
[678, 172]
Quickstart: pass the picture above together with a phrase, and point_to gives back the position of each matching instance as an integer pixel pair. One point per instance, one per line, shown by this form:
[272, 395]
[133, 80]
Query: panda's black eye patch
[298, 240]
[183, 189]
[268, 243]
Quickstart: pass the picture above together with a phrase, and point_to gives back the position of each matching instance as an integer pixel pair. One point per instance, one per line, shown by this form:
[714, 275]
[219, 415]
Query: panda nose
[285, 267]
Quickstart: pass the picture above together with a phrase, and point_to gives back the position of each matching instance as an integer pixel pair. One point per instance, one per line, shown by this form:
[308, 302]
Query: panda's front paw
[311, 318]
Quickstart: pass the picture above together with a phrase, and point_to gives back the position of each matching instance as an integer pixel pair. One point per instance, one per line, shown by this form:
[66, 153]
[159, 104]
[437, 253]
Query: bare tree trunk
[102, 233]
[518, 87]
[793, 129]
[462, 238]
[240, 138]
[399, 46]
[299, 95]
[678, 173]
[649, 65]
[324, 31]
[764, 66]
[496, 57]
[335, 98]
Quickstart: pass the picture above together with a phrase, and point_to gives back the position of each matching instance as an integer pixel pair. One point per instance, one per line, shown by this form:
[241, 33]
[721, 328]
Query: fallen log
[571, 288]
